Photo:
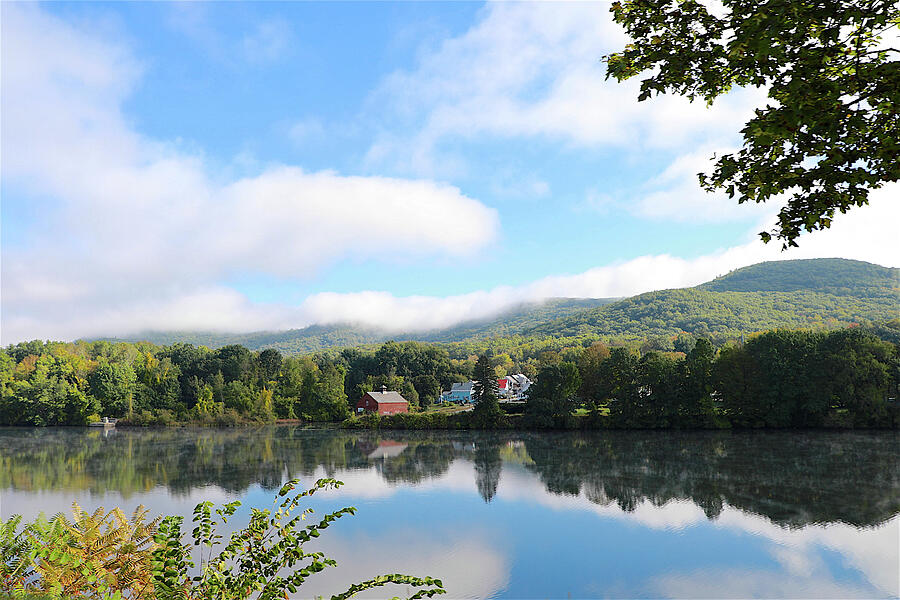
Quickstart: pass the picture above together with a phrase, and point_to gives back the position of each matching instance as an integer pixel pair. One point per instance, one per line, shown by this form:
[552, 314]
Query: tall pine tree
[487, 405]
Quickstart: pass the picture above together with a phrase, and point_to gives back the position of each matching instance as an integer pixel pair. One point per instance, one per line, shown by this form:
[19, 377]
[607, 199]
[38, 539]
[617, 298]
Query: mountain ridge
[804, 293]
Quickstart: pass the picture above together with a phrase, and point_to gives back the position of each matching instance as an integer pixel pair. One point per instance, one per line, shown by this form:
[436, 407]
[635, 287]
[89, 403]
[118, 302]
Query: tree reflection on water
[791, 478]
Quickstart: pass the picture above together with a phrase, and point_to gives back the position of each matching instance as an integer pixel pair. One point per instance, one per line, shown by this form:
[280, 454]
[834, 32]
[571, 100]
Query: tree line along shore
[845, 378]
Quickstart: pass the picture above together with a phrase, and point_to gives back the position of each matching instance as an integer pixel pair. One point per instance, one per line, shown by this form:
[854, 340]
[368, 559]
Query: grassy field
[583, 412]
[447, 408]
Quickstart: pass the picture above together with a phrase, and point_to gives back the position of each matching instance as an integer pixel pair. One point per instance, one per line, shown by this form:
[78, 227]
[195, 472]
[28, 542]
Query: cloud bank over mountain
[119, 232]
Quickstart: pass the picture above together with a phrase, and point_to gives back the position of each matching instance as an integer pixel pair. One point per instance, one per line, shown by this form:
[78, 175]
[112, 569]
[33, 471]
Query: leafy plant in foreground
[15, 564]
[95, 555]
[110, 556]
[264, 560]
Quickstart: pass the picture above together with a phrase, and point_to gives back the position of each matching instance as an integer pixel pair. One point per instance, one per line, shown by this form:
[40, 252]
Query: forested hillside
[702, 312]
[292, 341]
[837, 276]
[816, 293]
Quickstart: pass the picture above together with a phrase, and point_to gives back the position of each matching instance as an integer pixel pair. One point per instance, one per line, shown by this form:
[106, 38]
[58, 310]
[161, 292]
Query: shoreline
[515, 424]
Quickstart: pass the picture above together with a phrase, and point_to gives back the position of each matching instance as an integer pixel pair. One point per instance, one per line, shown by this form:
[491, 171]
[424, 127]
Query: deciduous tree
[552, 394]
[831, 131]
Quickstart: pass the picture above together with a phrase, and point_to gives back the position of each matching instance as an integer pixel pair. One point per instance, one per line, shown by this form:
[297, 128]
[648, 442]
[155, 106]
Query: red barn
[382, 403]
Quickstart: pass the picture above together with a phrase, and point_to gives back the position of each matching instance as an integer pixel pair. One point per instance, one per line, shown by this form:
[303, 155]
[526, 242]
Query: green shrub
[95, 555]
[265, 559]
[106, 555]
[229, 418]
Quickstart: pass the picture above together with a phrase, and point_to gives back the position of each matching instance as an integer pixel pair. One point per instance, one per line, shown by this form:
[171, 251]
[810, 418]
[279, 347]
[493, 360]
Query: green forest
[781, 378]
[837, 276]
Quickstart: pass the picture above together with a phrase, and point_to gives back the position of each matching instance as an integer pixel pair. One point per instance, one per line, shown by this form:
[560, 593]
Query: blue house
[461, 393]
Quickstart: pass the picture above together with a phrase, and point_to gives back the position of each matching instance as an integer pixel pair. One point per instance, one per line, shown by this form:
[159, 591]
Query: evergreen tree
[487, 406]
[697, 386]
[488, 466]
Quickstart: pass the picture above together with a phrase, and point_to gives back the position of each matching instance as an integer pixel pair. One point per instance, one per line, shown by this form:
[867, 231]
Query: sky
[265, 166]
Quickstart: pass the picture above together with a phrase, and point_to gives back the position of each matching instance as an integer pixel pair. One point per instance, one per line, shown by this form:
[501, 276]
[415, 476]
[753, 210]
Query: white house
[513, 387]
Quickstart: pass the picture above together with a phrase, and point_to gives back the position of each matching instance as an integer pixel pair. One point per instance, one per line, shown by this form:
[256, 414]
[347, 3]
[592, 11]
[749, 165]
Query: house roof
[501, 383]
[465, 386]
[386, 397]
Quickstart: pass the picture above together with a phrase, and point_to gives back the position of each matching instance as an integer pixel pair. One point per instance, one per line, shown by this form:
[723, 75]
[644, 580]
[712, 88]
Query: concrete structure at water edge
[382, 403]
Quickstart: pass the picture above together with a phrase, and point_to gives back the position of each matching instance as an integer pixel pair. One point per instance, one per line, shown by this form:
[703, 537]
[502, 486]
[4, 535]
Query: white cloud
[136, 234]
[867, 234]
[303, 131]
[675, 194]
[264, 41]
[267, 42]
[509, 184]
[136, 231]
[535, 69]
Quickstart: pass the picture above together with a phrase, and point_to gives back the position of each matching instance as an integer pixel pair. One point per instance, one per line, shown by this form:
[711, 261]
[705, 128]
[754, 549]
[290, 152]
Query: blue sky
[270, 165]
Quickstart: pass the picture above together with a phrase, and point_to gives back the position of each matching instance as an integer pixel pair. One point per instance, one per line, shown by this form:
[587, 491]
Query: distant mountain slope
[830, 275]
[514, 321]
[704, 312]
[318, 337]
[792, 293]
[308, 339]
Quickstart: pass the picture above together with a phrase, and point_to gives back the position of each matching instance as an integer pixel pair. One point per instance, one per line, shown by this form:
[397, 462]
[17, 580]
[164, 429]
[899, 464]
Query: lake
[519, 515]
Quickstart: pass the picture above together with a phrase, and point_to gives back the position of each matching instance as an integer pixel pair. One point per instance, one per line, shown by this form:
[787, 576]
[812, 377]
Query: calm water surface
[520, 515]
